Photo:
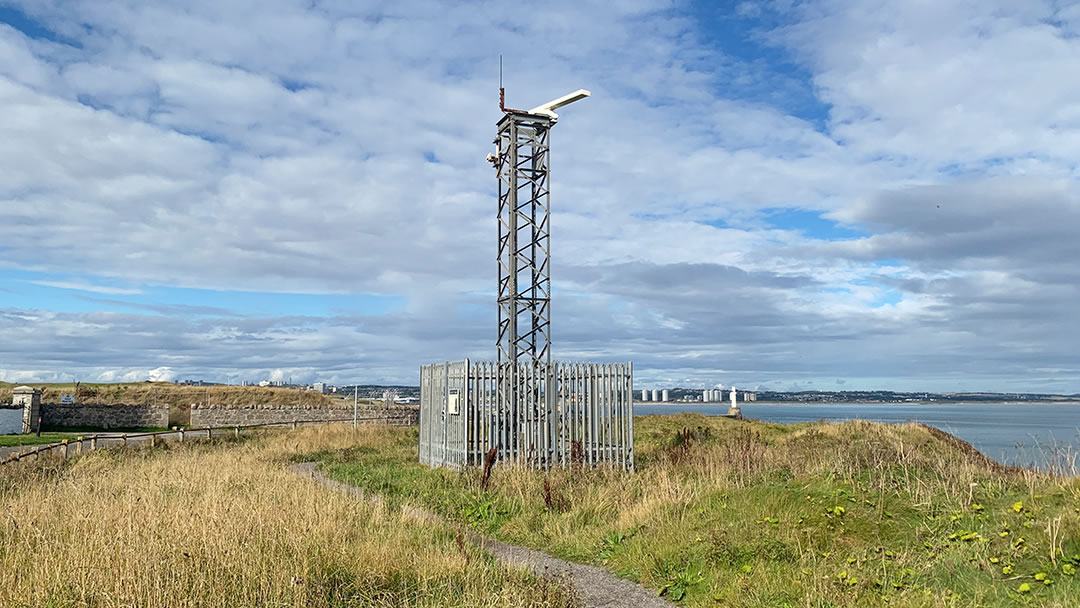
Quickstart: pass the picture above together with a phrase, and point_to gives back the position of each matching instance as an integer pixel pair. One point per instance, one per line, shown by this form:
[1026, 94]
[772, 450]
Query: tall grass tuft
[229, 525]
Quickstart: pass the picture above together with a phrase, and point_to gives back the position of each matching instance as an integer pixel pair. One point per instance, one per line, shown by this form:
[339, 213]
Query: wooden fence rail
[64, 448]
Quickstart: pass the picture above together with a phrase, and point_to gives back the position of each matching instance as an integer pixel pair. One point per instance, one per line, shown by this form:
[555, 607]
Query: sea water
[1028, 434]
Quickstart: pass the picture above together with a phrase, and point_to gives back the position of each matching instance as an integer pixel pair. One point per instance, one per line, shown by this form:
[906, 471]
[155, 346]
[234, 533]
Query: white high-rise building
[706, 396]
[644, 394]
[655, 395]
[734, 397]
[665, 395]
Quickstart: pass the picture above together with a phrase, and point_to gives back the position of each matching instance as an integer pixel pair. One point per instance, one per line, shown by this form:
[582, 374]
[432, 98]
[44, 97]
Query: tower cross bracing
[524, 297]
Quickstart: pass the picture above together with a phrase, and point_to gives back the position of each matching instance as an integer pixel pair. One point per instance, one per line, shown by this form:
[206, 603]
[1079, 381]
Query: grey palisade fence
[576, 413]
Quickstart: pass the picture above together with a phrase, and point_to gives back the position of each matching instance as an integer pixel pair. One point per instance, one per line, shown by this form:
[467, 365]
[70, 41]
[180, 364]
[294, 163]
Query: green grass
[7, 441]
[58, 434]
[764, 515]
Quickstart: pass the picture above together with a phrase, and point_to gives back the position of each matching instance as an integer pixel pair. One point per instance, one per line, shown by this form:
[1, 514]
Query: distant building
[706, 396]
[264, 383]
[665, 395]
[644, 394]
[319, 387]
[655, 395]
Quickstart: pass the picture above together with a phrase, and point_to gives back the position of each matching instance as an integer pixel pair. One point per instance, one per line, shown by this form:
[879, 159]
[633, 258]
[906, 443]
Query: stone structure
[105, 416]
[29, 399]
[27, 408]
[216, 415]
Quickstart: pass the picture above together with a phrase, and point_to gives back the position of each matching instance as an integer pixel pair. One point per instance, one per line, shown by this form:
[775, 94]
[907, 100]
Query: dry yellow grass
[172, 394]
[228, 525]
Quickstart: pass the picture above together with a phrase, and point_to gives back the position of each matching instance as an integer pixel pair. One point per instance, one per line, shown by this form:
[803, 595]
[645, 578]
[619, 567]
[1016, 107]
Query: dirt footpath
[596, 587]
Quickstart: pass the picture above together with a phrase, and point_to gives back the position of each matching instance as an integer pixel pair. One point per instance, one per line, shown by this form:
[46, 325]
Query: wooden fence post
[65, 442]
[153, 441]
[209, 433]
[125, 439]
[93, 443]
[294, 425]
[181, 435]
[236, 431]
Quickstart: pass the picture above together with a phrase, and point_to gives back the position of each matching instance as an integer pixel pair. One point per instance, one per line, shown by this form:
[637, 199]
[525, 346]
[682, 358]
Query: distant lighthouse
[734, 411]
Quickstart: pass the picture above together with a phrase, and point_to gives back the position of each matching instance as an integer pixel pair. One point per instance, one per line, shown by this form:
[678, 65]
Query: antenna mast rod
[502, 91]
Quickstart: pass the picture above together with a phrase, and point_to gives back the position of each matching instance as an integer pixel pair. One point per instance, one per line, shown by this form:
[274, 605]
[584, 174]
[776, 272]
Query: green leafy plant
[675, 588]
[611, 542]
[480, 512]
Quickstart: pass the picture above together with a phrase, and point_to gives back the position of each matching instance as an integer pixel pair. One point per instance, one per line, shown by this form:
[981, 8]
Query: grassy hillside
[166, 392]
[748, 514]
[32, 439]
[227, 525]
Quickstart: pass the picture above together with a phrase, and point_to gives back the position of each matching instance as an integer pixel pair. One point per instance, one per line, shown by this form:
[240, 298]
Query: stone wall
[11, 420]
[158, 416]
[213, 415]
[105, 416]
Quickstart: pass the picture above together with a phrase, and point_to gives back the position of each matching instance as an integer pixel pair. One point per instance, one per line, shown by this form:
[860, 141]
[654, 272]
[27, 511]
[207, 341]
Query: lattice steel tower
[524, 239]
[521, 162]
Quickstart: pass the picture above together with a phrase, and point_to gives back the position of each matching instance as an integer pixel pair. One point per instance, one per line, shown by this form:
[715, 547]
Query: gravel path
[596, 587]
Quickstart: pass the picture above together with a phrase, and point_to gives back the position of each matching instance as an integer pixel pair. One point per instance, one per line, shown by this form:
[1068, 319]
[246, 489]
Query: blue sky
[764, 193]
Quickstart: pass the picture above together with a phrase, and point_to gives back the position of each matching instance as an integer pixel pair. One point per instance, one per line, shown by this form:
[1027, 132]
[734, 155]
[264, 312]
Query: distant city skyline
[824, 195]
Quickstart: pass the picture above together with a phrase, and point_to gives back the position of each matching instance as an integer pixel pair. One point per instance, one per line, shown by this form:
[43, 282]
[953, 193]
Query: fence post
[65, 442]
[93, 443]
[181, 435]
[294, 425]
[125, 439]
[78, 446]
[209, 433]
[153, 441]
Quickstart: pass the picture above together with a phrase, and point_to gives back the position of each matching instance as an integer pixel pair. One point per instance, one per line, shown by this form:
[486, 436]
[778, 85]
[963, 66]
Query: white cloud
[270, 146]
[80, 286]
